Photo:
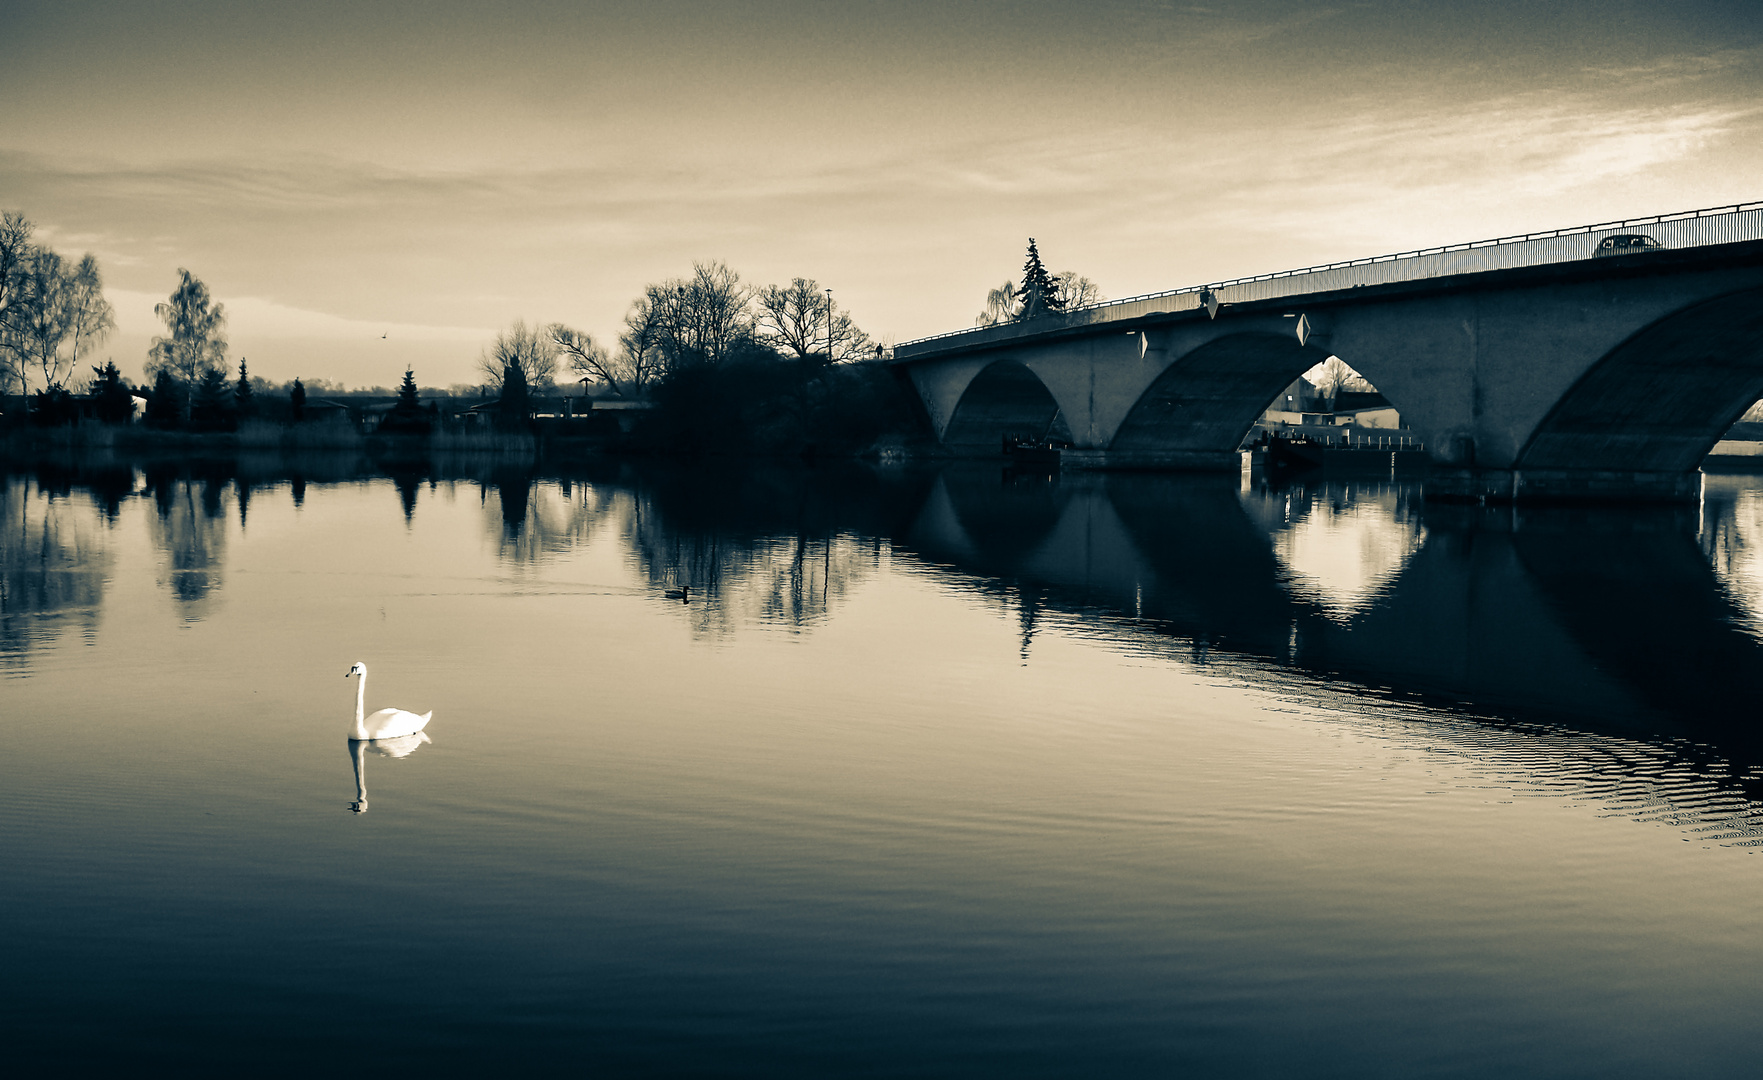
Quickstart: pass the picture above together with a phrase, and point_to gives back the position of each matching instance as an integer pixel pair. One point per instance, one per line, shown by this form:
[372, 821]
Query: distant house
[1300, 410]
[328, 411]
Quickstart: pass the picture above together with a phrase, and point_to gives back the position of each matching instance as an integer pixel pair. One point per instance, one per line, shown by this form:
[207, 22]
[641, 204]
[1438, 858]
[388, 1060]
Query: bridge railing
[1688, 229]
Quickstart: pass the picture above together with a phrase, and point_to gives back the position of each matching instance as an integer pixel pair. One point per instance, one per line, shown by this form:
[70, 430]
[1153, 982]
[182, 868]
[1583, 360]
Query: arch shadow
[1210, 398]
[1005, 398]
[1661, 400]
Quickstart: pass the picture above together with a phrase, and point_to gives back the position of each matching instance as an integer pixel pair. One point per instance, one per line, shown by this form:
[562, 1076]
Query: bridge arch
[1207, 400]
[1005, 398]
[1660, 400]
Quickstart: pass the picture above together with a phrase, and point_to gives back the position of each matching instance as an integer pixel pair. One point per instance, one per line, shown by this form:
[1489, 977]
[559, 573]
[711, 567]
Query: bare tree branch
[528, 349]
[802, 318]
[588, 358]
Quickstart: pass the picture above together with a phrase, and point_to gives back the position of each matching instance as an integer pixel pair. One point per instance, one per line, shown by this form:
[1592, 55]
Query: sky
[367, 186]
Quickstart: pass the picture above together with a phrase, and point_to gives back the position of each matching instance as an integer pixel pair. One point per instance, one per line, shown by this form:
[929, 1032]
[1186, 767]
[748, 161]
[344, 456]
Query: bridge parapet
[1672, 232]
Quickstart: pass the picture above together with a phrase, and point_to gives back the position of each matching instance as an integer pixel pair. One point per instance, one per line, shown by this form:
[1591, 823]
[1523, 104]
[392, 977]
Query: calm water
[945, 774]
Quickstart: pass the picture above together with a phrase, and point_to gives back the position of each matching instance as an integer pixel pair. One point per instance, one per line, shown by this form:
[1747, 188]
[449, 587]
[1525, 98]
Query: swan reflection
[403, 746]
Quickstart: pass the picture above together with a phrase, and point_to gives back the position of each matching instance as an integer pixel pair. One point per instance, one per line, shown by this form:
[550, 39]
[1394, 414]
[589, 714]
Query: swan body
[385, 724]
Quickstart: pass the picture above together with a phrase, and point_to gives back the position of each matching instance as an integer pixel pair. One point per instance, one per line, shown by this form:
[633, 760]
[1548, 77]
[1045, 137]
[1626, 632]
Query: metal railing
[1688, 229]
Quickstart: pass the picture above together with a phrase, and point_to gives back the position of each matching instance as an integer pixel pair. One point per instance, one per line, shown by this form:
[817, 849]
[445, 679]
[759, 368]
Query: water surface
[935, 772]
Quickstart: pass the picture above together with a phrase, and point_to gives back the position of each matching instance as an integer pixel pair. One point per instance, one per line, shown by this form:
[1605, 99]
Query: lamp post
[829, 328]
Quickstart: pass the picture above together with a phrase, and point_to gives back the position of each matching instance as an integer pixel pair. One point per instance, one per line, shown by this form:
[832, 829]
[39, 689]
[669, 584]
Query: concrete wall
[1629, 368]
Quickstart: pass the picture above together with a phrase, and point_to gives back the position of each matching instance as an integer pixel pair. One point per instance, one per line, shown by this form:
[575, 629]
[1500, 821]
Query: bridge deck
[1690, 229]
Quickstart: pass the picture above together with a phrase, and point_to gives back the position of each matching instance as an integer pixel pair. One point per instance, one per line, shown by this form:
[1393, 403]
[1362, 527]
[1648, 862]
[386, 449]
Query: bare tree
[528, 349]
[589, 359]
[194, 344]
[695, 320]
[89, 316]
[640, 354]
[38, 318]
[802, 318]
[15, 237]
[1000, 305]
[1074, 290]
[57, 315]
[715, 312]
[1332, 376]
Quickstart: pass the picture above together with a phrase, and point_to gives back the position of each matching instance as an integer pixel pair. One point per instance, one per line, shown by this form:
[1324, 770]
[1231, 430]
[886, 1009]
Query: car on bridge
[1625, 244]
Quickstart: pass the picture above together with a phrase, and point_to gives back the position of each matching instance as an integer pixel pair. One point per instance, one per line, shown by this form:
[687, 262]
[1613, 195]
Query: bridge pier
[1447, 484]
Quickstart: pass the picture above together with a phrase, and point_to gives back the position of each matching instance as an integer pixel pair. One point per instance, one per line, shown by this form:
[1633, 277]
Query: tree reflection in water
[534, 519]
[779, 546]
[189, 529]
[54, 560]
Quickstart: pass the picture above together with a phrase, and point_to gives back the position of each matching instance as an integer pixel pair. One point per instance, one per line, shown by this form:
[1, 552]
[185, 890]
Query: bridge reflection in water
[1610, 620]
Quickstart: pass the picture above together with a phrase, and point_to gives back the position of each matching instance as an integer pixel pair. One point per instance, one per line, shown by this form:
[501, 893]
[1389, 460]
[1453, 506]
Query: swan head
[359, 669]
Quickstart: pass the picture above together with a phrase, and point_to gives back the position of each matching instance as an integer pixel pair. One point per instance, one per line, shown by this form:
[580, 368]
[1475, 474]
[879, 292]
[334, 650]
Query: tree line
[700, 321]
[777, 367]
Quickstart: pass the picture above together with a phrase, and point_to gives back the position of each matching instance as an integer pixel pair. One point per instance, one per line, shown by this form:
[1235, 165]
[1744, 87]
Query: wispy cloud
[255, 317]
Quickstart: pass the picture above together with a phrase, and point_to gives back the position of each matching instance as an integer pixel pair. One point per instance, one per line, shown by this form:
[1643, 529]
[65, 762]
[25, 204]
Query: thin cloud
[255, 317]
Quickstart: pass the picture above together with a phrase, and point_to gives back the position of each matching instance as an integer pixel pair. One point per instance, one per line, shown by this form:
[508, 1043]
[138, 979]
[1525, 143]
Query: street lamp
[829, 328]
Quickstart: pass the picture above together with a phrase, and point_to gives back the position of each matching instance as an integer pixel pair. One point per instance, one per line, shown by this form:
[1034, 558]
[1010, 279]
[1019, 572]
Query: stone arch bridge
[1597, 362]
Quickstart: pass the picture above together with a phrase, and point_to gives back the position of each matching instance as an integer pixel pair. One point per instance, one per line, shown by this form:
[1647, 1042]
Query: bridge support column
[1447, 484]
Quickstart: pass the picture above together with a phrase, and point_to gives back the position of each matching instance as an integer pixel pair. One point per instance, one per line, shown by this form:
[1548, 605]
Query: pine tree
[407, 416]
[514, 398]
[1038, 294]
[407, 393]
[242, 391]
[165, 406]
[297, 399]
[212, 409]
[115, 404]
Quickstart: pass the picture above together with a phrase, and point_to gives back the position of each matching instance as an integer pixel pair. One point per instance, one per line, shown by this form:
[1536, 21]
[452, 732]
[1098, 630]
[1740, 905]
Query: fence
[1689, 229]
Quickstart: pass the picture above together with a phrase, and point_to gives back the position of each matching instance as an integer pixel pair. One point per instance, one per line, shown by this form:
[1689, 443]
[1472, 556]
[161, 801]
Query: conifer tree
[242, 391]
[407, 415]
[407, 393]
[297, 399]
[115, 404]
[212, 410]
[513, 406]
[165, 405]
[1038, 294]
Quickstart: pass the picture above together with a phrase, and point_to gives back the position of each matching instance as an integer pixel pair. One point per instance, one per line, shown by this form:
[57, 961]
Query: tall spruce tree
[165, 406]
[1038, 294]
[513, 402]
[242, 392]
[213, 408]
[407, 393]
[407, 416]
[297, 401]
[115, 404]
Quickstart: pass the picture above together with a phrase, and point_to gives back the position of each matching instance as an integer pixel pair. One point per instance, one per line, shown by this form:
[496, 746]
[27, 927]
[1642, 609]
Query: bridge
[1596, 362]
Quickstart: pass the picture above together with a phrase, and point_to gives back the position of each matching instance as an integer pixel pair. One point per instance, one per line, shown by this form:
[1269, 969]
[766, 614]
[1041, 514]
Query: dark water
[945, 774]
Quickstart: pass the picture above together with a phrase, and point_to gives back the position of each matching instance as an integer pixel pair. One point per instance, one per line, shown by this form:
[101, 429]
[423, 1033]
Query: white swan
[385, 724]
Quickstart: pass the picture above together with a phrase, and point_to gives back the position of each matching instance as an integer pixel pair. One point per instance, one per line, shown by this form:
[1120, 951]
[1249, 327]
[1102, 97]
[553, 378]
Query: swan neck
[360, 704]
